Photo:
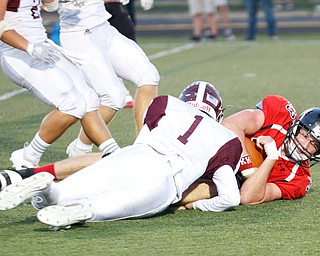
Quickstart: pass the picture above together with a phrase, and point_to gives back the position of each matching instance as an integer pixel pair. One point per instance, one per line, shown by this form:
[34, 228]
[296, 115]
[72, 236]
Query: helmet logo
[316, 132]
[212, 99]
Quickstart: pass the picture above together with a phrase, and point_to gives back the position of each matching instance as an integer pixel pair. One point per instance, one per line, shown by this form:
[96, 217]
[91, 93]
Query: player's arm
[255, 189]
[7, 34]
[66, 167]
[200, 189]
[245, 122]
[228, 192]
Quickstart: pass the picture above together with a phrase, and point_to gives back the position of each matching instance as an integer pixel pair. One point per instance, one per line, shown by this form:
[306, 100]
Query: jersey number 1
[184, 138]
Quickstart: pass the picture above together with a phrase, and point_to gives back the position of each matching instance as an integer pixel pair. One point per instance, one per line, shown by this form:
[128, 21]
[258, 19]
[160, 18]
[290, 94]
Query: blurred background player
[283, 5]
[32, 62]
[201, 10]
[253, 8]
[224, 12]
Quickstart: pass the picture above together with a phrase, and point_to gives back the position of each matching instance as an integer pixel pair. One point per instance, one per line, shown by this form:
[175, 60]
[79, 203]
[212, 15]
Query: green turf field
[244, 73]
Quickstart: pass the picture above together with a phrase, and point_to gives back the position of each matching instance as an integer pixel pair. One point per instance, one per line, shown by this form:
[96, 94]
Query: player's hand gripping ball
[254, 153]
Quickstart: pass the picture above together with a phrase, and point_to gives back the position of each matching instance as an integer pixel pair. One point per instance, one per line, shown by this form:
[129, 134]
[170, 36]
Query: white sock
[34, 151]
[109, 146]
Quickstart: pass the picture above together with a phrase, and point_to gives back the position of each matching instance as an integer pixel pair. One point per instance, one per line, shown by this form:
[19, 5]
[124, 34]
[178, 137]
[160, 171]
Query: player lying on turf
[178, 144]
[297, 140]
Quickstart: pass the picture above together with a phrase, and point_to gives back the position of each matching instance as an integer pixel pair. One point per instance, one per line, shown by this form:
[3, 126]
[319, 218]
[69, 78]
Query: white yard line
[175, 50]
[11, 94]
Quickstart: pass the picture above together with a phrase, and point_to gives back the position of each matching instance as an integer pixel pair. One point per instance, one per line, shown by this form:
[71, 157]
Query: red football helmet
[204, 96]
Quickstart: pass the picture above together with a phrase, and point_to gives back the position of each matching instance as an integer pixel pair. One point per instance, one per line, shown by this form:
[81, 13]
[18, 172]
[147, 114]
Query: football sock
[46, 168]
[109, 146]
[35, 150]
[80, 145]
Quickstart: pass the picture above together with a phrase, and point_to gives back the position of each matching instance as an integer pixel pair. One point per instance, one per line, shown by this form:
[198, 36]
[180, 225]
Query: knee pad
[74, 104]
[115, 101]
[148, 76]
[92, 101]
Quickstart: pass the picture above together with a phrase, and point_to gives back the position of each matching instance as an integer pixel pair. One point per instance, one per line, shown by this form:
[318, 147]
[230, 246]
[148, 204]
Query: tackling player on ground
[179, 142]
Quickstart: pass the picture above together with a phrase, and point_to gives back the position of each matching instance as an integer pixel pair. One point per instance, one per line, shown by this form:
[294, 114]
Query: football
[254, 152]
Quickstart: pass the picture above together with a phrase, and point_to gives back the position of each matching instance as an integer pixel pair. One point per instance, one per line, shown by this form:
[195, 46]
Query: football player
[181, 140]
[297, 139]
[111, 56]
[31, 61]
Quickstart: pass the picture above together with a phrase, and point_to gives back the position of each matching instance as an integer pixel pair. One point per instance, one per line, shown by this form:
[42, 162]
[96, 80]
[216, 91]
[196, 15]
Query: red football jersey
[293, 180]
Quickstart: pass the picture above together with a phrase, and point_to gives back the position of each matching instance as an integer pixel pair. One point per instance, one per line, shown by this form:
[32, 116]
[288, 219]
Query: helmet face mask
[204, 96]
[308, 125]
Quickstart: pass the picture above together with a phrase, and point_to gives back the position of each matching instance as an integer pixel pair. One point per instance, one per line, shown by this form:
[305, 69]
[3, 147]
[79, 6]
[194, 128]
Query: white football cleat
[16, 194]
[73, 151]
[61, 216]
[8, 177]
[19, 160]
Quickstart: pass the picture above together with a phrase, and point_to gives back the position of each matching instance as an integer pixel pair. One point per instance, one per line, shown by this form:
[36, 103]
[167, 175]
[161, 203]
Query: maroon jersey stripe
[228, 154]
[156, 111]
[13, 5]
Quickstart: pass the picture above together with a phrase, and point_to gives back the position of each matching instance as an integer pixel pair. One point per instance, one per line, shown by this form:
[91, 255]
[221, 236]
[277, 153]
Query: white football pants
[133, 182]
[112, 56]
[60, 85]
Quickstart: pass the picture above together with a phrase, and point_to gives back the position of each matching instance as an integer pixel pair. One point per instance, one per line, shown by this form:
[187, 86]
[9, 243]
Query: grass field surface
[244, 73]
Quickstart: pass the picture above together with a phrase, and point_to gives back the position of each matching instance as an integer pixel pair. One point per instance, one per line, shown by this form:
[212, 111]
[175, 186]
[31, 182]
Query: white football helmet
[204, 96]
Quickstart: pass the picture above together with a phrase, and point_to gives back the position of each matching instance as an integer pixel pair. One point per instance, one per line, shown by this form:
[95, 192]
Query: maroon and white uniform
[60, 85]
[177, 145]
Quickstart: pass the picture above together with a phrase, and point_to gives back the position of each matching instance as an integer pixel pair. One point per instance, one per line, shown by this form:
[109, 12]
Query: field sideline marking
[175, 50]
[158, 55]
[11, 94]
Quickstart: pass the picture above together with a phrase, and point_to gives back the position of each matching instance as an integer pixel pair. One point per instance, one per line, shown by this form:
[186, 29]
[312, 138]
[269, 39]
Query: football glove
[44, 51]
[76, 58]
[146, 4]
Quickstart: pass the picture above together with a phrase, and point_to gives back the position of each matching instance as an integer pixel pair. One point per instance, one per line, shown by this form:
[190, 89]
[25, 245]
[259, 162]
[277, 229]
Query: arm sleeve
[228, 192]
